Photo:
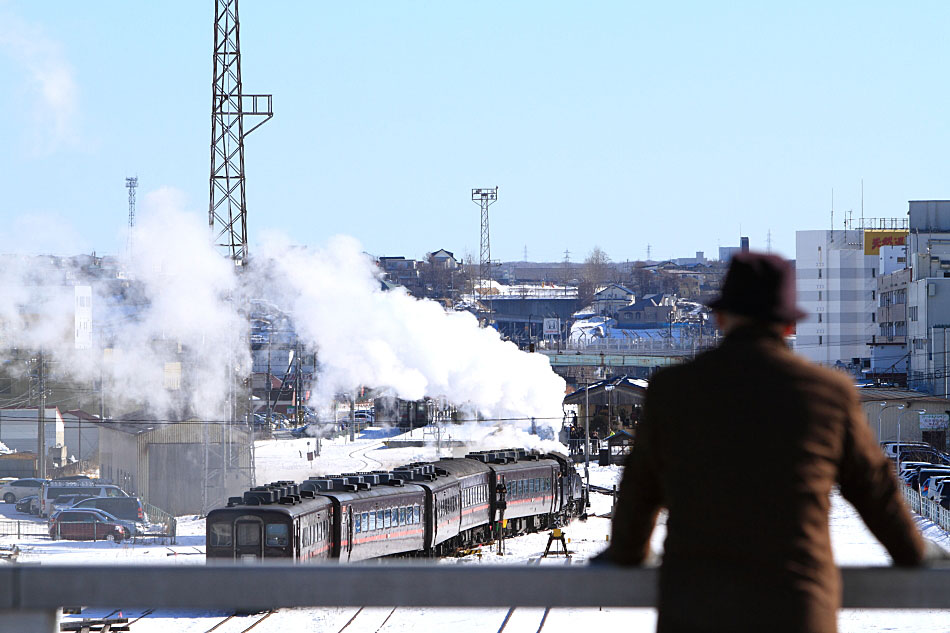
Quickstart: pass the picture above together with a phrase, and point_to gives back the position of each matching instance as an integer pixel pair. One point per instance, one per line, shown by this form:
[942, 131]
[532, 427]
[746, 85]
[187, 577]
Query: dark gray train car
[274, 521]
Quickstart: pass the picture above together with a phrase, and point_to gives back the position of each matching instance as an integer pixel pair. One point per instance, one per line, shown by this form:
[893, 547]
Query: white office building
[837, 287]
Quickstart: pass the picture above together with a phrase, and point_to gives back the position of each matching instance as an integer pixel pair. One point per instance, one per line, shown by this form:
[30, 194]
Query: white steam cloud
[190, 307]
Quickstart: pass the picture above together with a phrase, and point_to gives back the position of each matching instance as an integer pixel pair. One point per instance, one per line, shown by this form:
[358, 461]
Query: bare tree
[595, 272]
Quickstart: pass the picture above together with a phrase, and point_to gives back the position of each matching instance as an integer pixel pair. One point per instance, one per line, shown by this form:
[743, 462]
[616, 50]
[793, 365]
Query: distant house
[610, 299]
[402, 271]
[444, 259]
[653, 310]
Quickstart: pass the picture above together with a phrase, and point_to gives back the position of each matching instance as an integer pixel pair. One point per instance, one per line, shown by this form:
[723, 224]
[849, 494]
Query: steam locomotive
[421, 509]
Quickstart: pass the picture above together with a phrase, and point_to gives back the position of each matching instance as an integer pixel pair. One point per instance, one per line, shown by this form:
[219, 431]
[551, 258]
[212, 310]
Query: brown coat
[742, 446]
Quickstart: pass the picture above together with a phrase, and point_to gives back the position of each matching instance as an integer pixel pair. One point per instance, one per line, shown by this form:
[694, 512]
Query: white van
[57, 488]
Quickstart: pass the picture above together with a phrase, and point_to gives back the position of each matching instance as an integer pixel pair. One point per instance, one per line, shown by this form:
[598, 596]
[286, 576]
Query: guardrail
[927, 508]
[31, 595]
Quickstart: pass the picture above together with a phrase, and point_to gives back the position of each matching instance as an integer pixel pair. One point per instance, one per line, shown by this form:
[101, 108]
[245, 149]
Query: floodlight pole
[484, 198]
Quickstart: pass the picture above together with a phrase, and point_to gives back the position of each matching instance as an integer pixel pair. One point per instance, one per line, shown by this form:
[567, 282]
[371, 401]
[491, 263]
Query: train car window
[275, 535]
[387, 519]
[366, 526]
[357, 523]
[248, 534]
[379, 519]
[220, 534]
[402, 516]
[372, 520]
[417, 515]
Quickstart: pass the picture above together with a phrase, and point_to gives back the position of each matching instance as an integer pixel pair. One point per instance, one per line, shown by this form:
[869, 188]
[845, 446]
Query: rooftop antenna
[768, 242]
[862, 203]
[131, 183]
[648, 252]
[525, 252]
[832, 214]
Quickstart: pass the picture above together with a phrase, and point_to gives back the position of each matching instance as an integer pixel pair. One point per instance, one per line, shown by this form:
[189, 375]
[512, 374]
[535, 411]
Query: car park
[19, 488]
[87, 525]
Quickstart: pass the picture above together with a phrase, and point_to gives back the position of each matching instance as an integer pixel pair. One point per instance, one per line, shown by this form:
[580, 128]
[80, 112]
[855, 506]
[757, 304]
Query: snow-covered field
[286, 459]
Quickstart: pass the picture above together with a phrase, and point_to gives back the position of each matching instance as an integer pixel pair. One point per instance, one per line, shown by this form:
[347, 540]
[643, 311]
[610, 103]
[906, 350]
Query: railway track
[368, 462]
[231, 617]
[358, 612]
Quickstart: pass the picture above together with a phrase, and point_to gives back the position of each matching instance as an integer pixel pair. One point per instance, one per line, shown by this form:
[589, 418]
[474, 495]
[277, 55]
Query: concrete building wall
[928, 322]
[82, 438]
[18, 429]
[837, 287]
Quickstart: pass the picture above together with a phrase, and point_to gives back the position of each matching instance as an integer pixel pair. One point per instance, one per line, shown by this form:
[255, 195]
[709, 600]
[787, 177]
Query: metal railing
[20, 529]
[168, 525]
[927, 508]
[687, 346]
[41, 589]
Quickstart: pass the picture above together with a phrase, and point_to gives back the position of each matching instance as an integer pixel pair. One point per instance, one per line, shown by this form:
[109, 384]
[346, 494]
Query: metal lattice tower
[131, 183]
[227, 213]
[484, 198]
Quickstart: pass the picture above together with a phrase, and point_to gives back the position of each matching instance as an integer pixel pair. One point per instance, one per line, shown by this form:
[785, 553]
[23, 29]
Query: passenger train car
[421, 509]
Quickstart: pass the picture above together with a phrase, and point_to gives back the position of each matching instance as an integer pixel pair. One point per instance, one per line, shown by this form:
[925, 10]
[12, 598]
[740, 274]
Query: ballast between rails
[420, 509]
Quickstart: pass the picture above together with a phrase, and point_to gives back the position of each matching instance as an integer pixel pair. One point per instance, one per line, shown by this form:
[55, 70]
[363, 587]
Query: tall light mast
[484, 198]
[131, 183]
[227, 212]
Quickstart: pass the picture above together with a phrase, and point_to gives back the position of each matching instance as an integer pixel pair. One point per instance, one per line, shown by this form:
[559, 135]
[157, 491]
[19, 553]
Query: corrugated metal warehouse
[184, 467]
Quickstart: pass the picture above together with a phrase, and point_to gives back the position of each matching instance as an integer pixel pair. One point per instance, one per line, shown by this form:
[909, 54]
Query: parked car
[928, 455]
[916, 477]
[25, 504]
[123, 508]
[307, 430]
[892, 448]
[86, 525]
[941, 493]
[928, 486]
[67, 501]
[58, 487]
[19, 488]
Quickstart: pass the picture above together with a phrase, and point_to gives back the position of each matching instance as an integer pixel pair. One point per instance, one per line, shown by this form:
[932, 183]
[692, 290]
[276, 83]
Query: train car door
[347, 531]
[248, 538]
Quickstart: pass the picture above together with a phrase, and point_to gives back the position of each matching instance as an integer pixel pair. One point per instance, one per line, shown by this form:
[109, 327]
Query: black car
[125, 508]
[23, 505]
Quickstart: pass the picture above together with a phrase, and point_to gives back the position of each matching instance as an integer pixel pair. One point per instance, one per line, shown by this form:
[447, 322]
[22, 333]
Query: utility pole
[484, 198]
[41, 418]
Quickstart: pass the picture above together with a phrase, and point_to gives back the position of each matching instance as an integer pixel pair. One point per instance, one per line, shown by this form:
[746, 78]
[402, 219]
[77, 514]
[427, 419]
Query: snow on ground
[287, 459]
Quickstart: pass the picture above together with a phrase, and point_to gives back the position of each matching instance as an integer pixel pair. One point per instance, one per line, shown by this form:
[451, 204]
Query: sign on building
[934, 421]
[552, 327]
[874, 240]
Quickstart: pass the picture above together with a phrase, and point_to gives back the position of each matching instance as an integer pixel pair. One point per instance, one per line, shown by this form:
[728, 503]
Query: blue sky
[610, 124]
